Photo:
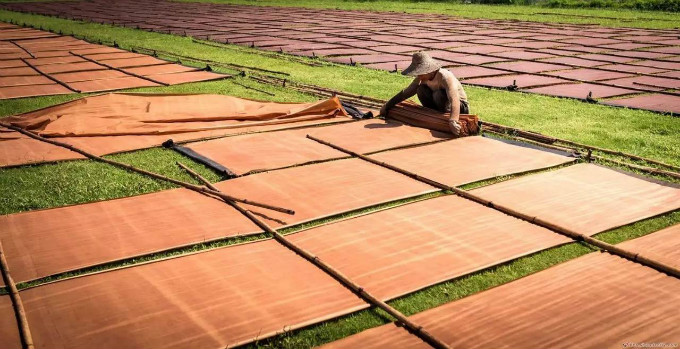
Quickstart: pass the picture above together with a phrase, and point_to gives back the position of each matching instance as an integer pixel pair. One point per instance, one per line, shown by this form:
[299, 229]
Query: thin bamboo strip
[24, 329]
[639, 168]
[193, 187]
[336, 274]
[635, 257]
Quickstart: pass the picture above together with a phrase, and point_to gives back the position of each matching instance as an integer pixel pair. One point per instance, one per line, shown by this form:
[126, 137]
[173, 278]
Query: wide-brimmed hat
[421, 64]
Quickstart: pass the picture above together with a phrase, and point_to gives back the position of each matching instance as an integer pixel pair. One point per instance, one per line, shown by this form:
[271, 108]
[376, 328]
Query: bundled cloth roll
[416, 115]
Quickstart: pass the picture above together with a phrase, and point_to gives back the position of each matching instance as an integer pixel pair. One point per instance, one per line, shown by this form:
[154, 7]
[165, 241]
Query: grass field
[50, 185]
[600, 16]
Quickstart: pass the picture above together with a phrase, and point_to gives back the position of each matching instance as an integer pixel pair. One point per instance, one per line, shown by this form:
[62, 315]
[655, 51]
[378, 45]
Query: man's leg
[426, 97]
[441, 101]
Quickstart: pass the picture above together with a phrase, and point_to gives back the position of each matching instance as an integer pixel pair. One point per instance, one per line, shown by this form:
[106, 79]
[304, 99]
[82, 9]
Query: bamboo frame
[630, 255]
[190, 186]
[336, 274]
[49, 76]
[19, 311]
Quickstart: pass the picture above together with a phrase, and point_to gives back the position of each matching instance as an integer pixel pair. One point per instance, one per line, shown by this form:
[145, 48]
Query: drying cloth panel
[595, 301]
[470, 159]
[586, 198]
[40, 243]
[404, 249]
[9, 330]
[264, 151]
[201, 115]
[17, 149]
[373, 135]
[663, 246]
[207, 300]
[147, 114]
[321, 190]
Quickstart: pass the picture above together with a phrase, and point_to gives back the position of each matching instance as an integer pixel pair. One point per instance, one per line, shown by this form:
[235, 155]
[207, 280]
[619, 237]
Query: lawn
[618, 17]
[65, 183]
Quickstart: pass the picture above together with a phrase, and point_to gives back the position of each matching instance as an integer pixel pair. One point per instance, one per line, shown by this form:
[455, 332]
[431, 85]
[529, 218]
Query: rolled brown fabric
[416, 115]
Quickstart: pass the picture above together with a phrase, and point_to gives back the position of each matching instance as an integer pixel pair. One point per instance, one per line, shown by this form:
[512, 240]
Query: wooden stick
[24, 330]
[336, 274]
[193, 187]
[49, 76]
[119, 70]
[635, 257]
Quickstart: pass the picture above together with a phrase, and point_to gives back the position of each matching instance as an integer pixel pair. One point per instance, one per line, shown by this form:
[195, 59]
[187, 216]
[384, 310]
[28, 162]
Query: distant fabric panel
[470, 159]
[596, 301]
[214, 299]
[663, 246]
[404, 249]
[586, 198]
[45, 242]
[9, 329]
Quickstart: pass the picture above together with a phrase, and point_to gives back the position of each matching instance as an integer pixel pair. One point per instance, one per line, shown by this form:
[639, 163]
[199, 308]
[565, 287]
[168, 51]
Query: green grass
[534, 13]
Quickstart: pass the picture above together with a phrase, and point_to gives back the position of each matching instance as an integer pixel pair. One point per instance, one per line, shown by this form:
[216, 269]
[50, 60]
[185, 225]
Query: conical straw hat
[421, 64]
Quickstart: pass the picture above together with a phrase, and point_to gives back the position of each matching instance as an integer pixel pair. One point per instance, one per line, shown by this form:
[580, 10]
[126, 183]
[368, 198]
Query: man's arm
[452, 93]
[403, 95]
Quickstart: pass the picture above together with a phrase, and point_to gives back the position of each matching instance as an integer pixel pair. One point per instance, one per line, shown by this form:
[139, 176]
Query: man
[436, 88]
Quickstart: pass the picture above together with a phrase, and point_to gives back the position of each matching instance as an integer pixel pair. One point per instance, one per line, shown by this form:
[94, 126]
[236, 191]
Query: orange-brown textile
[586, 198]
[45, 242]
[374, 135]
[208, 300]
[180, 117]
[419, 116]
[152, 114]
[323, 189]
[41, 243]
[596, 301]
[16, 148]
[470, 159]
[9, 330]
[663, 246]
[404, 249]
[243, 154]
[265, 151]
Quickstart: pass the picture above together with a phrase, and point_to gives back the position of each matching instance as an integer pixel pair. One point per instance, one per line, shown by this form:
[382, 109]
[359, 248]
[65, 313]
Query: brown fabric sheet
[373, 135]
[596, 301]
[265, 151]
[248, 153]
[208, 300]
[324, 189]
[663, 246]
[416, 115]
[111, 84]
[45, 242]
[9, 330]
[25, 80]
[16, 148]
[149, 114]
[586, 198]
[108, 114]
[32, 91]
[401, 250]
[470, 159]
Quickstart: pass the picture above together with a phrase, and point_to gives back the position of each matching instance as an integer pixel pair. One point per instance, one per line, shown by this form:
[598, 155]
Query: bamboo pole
[635, 257]
[193, 187]
[119, 70]
[20, 313]
[328, 269]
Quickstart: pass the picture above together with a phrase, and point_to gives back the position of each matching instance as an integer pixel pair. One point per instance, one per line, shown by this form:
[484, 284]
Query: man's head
[422, 66]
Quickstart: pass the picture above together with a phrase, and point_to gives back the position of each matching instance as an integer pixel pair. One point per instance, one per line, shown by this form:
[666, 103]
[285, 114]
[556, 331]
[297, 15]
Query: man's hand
[455, 127]
[383, 111]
